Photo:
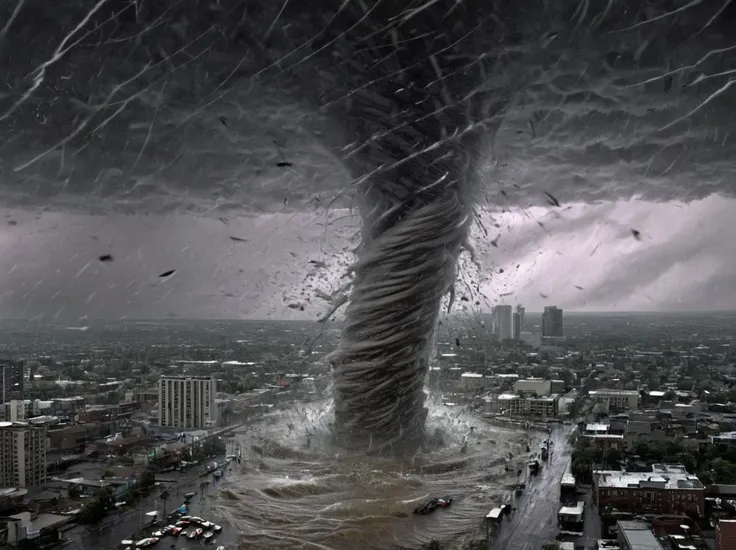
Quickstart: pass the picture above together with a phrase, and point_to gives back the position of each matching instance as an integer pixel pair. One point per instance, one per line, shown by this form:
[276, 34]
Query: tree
[552, 545]
[96, 509]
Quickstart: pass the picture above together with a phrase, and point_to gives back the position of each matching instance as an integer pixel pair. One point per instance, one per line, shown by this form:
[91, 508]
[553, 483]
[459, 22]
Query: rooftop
[669, 480]
[638, 535]
[609, 391]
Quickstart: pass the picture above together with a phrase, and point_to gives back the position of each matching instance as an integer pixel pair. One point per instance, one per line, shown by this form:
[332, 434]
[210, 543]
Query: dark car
[432, 505]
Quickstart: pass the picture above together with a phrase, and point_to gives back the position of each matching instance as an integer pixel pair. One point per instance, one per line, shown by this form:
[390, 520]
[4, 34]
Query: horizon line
[484, 313]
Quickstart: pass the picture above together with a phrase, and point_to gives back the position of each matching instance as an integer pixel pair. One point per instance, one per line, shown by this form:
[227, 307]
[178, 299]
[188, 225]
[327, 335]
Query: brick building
[726, 534]
[667, 489]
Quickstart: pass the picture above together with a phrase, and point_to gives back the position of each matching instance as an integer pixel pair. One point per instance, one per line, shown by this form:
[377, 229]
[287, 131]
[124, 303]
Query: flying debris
[551, 199]
[636, 233]
[457, 341]
[238, 239]
[106, 258]
[543, 296]
[501, 270]
[284, 164]
[578, 287]
[223, 120]
[168, 273]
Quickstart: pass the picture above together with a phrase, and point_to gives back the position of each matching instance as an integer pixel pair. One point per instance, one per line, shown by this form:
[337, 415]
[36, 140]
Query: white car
[217, 528]
[206, 524]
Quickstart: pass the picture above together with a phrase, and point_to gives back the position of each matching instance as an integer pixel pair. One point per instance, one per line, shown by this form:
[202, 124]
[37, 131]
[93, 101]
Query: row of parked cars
[191, 527]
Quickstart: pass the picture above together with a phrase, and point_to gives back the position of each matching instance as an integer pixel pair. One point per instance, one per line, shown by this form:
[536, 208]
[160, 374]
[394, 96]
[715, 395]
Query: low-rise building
[533, 386]
[471, 381]
[636, 535]
[667, 489]
[614, 401]
[515, 405]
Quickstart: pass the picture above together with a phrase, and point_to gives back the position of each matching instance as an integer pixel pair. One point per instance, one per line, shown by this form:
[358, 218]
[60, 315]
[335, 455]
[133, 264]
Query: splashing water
[296, 489]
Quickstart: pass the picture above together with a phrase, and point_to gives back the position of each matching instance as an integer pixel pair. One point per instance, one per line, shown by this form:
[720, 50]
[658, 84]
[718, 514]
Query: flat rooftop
[617, 479]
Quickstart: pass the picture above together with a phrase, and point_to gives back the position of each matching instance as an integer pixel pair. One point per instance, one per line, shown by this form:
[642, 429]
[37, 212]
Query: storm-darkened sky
[685, 259]
[135, 128]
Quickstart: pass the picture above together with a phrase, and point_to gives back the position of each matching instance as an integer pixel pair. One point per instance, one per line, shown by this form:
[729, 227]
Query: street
[122, 525]
[535, 520]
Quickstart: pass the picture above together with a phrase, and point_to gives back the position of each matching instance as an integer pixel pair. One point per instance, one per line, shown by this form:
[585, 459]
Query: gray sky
[144, 128]
[686, 259]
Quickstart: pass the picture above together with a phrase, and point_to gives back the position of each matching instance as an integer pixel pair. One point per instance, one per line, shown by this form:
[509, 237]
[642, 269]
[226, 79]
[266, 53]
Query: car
[176, 531]
[206, 524]
[183, 523]
[432, 505]
[190, 494]
[217, 528]
[192, 534]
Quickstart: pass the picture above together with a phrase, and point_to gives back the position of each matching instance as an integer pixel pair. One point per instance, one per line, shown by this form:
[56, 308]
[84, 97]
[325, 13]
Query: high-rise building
[552, 322]
[503, 324]
[521, 312]
[517, 326]
[11, 380]
[187, 402]
[22, 454]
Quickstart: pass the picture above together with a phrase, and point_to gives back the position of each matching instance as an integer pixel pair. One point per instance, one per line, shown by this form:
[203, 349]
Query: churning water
[295, 490]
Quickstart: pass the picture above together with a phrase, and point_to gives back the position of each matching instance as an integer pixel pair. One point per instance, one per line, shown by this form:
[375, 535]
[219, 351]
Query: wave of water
[294, 490]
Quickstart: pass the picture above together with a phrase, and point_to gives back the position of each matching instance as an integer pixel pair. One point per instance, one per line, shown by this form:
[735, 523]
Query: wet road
[123, 525]
[535, 520]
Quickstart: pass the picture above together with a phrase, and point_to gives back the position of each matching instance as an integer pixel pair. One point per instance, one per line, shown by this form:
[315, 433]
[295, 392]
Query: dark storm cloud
[176, 106]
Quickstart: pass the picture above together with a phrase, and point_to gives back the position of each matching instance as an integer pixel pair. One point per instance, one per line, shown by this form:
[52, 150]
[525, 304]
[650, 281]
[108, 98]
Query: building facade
[667, 489]
[187, 402]
[503, 324]
[515, 405]
[726, 534]
[22, 454]
[616, 401]
[12, 380]
[552, 322]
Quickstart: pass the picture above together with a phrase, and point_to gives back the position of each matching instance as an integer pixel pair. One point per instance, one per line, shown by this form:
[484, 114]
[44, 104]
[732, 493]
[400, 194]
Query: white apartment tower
[187, 402]
[22, 454]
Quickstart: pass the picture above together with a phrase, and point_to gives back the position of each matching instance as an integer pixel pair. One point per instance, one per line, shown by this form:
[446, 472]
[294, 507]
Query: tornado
[418, 124]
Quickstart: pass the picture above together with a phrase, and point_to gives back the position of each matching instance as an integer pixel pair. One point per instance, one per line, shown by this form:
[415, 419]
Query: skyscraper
[552, 322]
[518, 321]
[503, 324]
[11, 380]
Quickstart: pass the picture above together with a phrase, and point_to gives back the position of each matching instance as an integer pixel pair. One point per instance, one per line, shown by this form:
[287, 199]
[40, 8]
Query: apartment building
[615, 401]
[667, 489]
[22, 454]
[515, 405]
[187, 402]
